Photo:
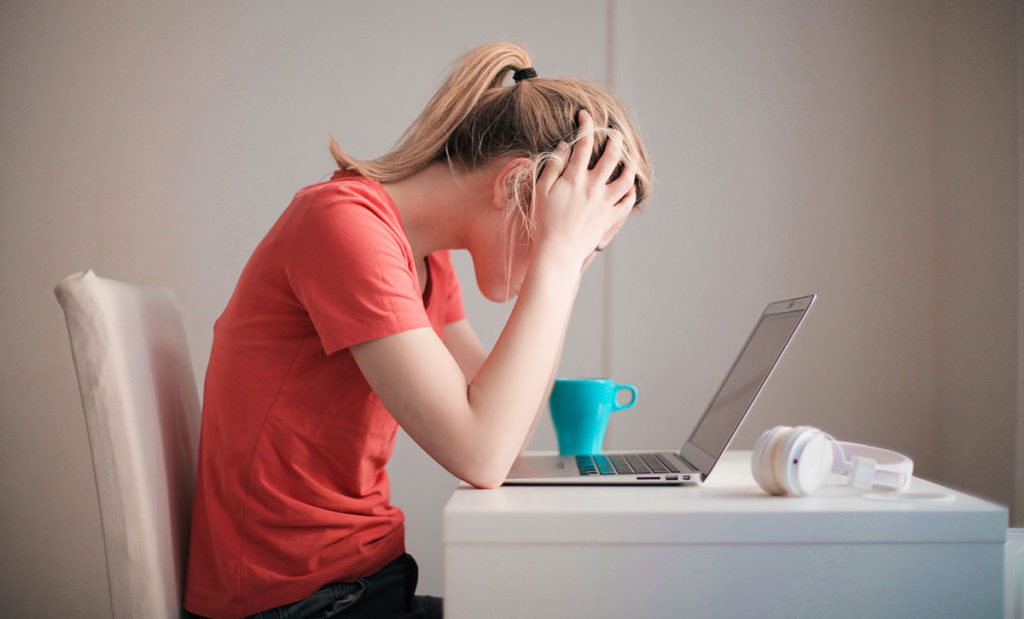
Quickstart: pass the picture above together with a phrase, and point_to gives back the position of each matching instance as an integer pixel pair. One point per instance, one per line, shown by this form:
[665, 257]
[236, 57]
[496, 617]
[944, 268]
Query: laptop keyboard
[625, 464]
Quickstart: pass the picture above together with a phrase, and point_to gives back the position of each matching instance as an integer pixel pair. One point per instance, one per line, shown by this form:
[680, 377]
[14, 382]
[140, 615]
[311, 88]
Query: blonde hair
[474, 118]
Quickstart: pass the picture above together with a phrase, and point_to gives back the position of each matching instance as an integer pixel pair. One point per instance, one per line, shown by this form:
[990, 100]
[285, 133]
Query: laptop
[693, 462]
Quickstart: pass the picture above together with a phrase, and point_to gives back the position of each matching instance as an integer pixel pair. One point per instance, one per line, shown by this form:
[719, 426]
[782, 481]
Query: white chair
[142, 415]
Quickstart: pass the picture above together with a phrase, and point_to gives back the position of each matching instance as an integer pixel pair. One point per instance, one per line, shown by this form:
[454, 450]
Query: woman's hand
[577, 210]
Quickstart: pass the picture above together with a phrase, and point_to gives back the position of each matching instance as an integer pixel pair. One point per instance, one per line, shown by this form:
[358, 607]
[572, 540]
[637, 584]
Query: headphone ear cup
[757, 457]
[762, 460]
[808, 462]
[783, 454]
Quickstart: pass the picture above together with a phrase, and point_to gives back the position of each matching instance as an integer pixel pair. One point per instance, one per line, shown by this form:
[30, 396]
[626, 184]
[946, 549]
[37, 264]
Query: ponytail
[477, 72]
[473, 118]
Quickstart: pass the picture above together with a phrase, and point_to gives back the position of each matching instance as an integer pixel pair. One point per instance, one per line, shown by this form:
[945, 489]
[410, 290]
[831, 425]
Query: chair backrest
[142, 414]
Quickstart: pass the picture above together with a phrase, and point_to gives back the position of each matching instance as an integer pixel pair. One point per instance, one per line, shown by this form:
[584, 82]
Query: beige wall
[976, 215]
[1018, 504]
[794, 144]
[864, 151]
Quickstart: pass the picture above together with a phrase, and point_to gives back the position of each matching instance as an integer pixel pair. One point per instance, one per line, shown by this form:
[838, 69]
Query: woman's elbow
[487, 475]
[478, 460]
[484, 484]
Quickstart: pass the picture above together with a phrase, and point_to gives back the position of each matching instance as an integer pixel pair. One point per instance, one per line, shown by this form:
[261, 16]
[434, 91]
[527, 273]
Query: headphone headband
[890, 469]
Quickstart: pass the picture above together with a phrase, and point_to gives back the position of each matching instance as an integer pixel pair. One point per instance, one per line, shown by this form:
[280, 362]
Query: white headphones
[798, 461]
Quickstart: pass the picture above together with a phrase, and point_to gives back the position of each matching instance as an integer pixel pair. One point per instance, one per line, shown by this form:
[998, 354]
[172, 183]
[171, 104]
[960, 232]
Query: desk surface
[724, 549]
[719, 511]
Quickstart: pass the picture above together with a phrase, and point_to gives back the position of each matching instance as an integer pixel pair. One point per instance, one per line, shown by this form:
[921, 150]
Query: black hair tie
[524, 74]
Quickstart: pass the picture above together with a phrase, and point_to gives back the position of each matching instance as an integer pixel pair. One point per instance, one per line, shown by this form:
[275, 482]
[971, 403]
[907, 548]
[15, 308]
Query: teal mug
[580, 408]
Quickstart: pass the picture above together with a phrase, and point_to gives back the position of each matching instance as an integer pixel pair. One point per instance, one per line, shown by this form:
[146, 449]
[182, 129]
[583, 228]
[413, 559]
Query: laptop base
[542, 469]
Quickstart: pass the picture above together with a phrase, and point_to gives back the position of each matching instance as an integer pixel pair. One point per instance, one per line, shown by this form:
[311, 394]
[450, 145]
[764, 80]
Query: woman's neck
[439, 205]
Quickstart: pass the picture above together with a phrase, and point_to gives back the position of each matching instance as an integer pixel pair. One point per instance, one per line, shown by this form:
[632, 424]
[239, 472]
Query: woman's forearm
[511, 385]
[551, 379]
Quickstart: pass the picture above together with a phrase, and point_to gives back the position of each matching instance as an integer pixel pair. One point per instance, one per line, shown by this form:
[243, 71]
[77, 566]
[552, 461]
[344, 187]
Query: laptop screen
[741, 386]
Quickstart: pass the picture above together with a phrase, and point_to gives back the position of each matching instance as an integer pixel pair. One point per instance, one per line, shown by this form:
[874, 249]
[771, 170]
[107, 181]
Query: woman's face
[501, 255]
[501, 258]
[501, 248]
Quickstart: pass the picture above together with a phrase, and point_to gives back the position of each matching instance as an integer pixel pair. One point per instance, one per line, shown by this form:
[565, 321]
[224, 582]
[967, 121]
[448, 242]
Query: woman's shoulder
[346, 185]
[347, 195]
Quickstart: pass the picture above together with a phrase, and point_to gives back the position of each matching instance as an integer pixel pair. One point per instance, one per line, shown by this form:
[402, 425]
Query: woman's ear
[514, 183]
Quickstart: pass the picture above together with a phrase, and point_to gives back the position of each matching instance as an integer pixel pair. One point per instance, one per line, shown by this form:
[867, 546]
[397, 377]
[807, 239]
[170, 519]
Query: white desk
[724, 549]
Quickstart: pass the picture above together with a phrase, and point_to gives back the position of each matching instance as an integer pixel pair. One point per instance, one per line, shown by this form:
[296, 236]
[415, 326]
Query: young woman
[347, 322]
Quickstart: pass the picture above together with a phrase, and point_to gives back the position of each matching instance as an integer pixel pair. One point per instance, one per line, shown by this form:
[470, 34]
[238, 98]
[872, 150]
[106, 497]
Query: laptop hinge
[690, 464]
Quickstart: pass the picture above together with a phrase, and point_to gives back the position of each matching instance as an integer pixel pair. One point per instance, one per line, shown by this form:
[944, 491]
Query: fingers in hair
[553, 166]
[609, 161]
[579, 160]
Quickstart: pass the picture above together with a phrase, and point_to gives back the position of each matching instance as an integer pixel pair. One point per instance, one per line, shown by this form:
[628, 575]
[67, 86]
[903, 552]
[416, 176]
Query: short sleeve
[351, 268]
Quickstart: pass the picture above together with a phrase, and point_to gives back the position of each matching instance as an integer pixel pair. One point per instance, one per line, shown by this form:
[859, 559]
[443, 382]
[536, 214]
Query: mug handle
[615, 403]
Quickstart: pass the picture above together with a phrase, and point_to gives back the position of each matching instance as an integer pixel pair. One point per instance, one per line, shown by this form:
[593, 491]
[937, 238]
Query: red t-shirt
[292, 491]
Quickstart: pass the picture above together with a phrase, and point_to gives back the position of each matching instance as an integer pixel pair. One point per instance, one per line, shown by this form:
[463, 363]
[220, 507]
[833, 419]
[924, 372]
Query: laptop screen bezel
[697, 457]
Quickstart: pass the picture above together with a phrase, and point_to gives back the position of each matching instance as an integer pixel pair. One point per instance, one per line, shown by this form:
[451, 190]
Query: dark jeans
[390, 593]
